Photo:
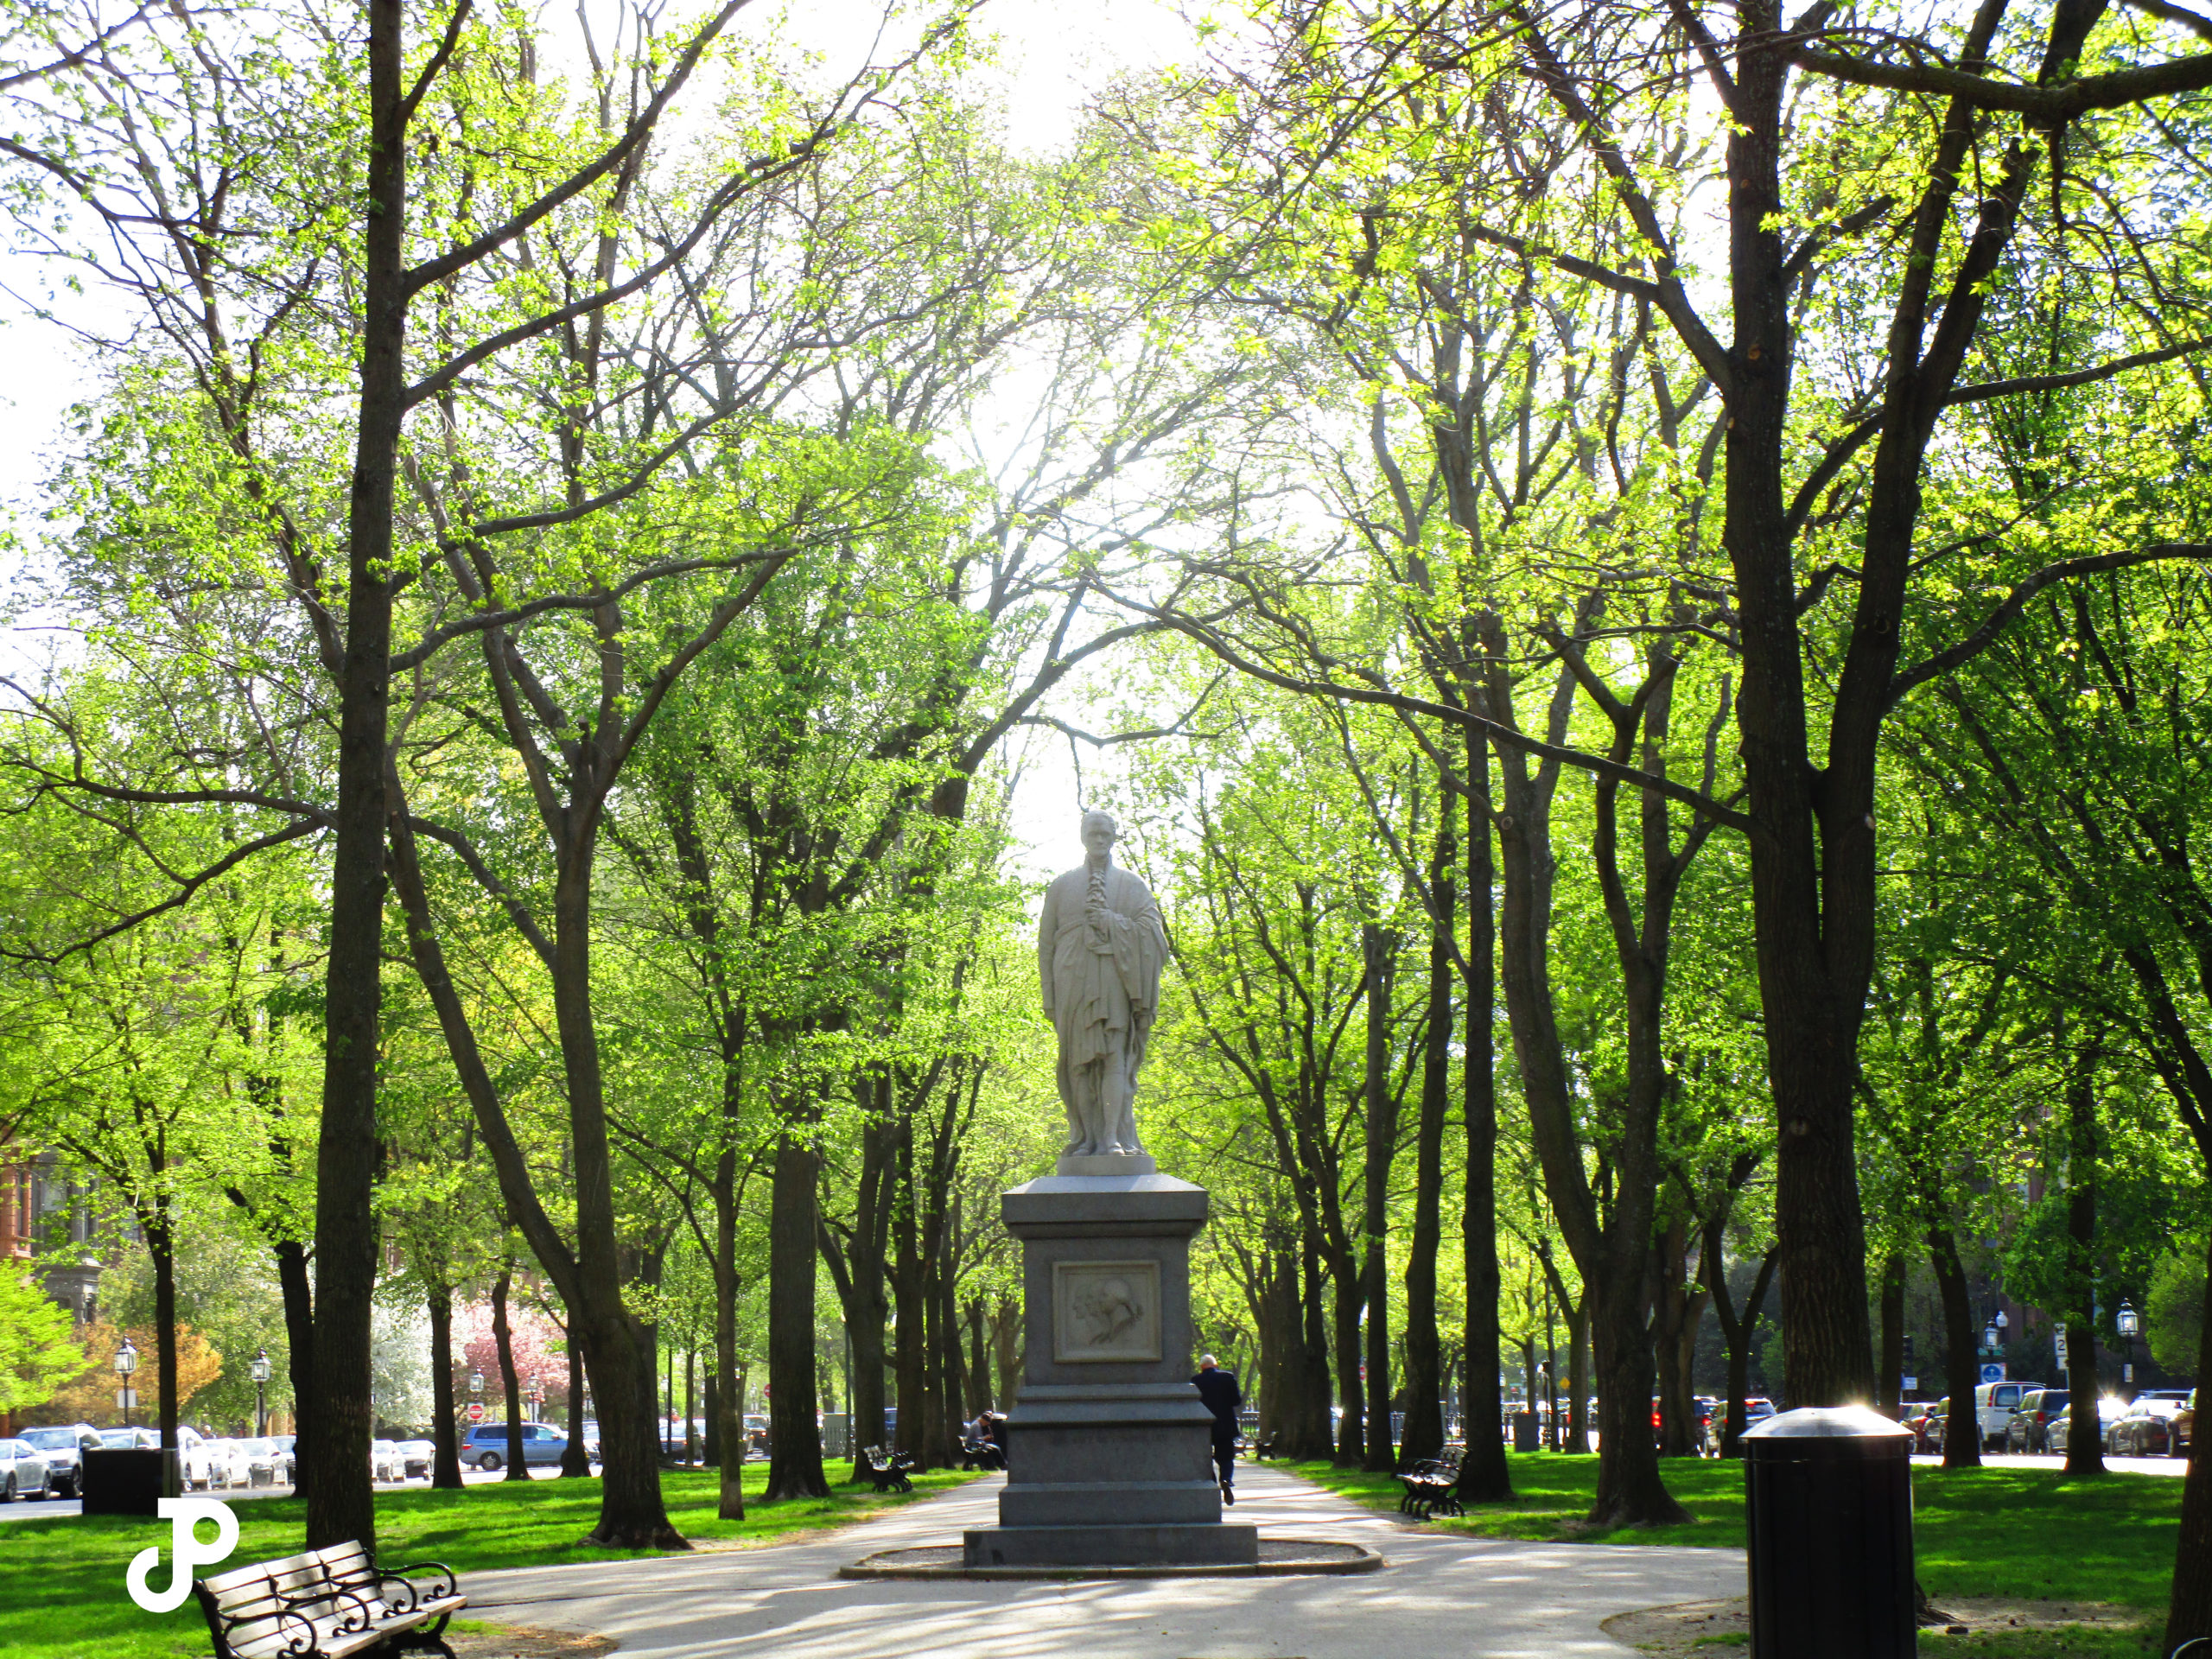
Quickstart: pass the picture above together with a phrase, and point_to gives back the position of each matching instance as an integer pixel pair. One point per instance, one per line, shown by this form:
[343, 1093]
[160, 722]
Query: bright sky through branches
[1052, 54]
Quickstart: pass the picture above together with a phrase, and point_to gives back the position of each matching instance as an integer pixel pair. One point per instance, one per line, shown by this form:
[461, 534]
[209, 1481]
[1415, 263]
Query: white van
[1993, 1405]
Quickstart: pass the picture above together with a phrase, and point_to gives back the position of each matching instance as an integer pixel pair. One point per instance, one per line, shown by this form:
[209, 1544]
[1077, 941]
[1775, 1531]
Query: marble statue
[1100, 951]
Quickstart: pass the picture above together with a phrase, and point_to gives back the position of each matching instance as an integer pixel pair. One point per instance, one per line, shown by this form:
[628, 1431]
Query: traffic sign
[125, 1399]
[476, 1411]
[2060, 1341]
[1993, 1371]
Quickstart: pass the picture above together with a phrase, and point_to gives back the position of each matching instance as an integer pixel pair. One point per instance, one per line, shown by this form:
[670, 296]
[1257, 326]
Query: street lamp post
[261, 1392]
[2128, 1325]
[126, 1361]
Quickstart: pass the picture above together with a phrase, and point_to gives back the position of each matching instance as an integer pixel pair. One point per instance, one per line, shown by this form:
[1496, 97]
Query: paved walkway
[1440, 1593]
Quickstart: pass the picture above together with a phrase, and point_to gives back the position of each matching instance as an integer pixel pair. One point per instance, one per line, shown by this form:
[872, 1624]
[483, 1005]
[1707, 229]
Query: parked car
[2110, 1410]
[418, 1458]
[2037, 1406]
[1993, 1405]
[485, 1446]
[2147, 1429]
[227, 1464]
[268, 1463]
[22, 1472]
[385, 1462]
[191, 1461]
[63, 1450]
[2185, 1426]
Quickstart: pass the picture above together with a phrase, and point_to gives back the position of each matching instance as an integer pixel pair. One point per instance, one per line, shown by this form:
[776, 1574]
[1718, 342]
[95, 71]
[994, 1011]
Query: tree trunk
[1578, 1377]
[1351, 1425]
[1962, 1429]
[1737, 1333]
[944, 1332]
[1380, 947]
[1006, 1329]
[1281, 1365]
[1485, 1476]
[340, 1505]
[1424, 1431]
[1630, 1489]
[978, 1365]
[161, 1249]
[2085, 1453]
[299, 1334]
[1311, 1432]
[445, 1433]
[911, 1359]
[728, 1401]
[2189, 1615]
[503, 1339]
[690, 1408]
[575, 1457]
[867, 1304]
[1889, 1377]
[1674, 1335]
[794, 1439]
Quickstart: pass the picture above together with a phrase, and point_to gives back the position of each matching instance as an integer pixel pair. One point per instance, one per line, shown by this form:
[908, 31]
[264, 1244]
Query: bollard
[1827, 1492]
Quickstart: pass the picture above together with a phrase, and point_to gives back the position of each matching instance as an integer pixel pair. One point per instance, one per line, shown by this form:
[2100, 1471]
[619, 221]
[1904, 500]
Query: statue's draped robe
[1104, 993]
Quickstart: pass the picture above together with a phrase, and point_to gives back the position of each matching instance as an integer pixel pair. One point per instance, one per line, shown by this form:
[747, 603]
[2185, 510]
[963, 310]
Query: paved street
[2056, 1464]
[25, 1511]
[1440, 1594]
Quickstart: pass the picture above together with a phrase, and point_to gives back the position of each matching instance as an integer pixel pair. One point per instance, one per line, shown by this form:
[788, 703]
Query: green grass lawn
[1976, 1532]
[61, 1583]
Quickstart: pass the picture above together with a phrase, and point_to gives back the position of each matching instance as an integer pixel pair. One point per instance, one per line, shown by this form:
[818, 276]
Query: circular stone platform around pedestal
[1279, 1558]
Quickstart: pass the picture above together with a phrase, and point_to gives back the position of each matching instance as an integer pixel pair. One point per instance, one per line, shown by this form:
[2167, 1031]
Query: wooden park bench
[330, 1602]
[1432, 1488]
[888, 1471]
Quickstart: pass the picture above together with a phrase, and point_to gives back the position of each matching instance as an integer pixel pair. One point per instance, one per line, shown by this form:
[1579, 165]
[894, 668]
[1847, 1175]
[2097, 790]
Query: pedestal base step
[1277, 1558]
[1157, 1544]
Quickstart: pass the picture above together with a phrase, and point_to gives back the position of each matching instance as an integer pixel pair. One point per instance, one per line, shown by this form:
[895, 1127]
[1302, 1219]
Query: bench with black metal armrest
[329, 1604]
[886, 1471]
[1432, 1488]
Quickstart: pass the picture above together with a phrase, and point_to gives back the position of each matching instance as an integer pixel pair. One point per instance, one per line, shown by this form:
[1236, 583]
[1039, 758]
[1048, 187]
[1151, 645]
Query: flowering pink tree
[540, 1355]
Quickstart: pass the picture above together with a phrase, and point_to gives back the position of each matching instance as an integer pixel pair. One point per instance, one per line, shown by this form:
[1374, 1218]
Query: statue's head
[1099, 831]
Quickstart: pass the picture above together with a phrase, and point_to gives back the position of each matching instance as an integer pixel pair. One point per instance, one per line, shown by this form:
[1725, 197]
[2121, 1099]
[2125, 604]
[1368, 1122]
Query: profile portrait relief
[1105, 1311]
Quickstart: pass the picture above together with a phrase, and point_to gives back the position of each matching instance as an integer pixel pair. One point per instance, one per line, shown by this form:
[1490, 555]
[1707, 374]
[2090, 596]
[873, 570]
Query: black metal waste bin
[127, 1482]
[1526, 1435]
[1828, 1492]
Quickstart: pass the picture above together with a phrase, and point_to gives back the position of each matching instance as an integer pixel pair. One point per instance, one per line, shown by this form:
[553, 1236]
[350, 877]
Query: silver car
[22, 1472]
[63, 1450]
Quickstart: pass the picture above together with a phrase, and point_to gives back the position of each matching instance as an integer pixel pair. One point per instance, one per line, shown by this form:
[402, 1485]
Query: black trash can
[1527, 1437]
[127, 1482]
[1828, 1493]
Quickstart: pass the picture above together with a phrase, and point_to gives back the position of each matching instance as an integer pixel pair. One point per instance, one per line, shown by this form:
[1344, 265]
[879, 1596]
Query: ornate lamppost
[126, 1361]
[261, 1392]
[2128, 1325]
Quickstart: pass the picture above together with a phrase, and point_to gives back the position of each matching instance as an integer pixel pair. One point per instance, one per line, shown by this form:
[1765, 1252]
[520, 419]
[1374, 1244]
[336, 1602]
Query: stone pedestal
[1109, 1451]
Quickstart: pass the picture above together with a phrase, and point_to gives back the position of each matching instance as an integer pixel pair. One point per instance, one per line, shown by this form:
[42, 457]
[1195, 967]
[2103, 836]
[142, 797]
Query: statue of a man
[1099, 953]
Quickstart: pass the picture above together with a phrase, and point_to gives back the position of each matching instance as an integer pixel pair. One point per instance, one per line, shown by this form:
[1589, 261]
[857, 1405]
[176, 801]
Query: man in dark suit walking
[1218, 1388]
